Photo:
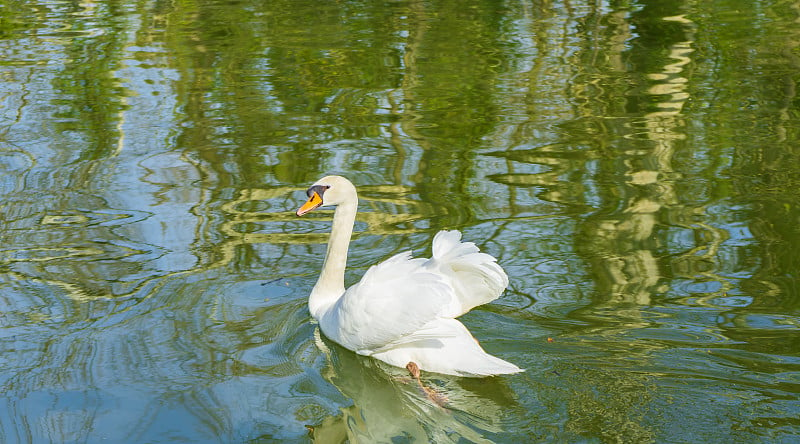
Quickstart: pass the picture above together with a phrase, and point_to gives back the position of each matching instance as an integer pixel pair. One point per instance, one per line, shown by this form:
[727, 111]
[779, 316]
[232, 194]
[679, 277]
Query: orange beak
[312, 203]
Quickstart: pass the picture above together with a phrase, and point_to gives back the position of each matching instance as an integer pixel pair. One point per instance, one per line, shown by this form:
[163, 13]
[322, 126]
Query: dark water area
[634, 166]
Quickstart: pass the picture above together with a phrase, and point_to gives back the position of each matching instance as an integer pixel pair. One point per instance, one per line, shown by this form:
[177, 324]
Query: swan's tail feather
[452, 350]
[480, 364]
[477, 278]
[497, 366]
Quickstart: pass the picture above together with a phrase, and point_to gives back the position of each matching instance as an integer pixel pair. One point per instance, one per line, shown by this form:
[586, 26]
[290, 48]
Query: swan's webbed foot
[436, 397]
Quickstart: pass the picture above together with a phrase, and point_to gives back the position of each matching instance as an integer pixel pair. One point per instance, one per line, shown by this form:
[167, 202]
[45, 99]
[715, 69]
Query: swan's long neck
[330, 285]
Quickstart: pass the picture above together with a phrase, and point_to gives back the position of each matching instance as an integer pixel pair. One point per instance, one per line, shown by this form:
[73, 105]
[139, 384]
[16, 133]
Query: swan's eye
[319, 189]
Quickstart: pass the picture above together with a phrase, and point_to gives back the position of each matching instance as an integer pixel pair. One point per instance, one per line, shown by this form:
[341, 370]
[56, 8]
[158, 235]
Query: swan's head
[330, 190]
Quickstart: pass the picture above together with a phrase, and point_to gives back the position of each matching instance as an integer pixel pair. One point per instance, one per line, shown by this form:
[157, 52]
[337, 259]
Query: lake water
[633, 165]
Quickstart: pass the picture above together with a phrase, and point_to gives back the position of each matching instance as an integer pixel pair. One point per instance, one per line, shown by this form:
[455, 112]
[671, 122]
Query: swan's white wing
[476, 277]
[394, 299]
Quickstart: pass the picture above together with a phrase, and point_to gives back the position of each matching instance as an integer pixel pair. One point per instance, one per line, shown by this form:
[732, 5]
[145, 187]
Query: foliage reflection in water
[632, 165]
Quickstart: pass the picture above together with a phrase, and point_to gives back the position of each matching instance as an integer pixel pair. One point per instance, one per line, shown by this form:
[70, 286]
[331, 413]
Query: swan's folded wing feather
[476, 277]
[393, 300]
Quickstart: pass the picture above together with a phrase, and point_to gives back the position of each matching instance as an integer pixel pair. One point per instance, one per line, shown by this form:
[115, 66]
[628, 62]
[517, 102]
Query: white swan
[403, 310]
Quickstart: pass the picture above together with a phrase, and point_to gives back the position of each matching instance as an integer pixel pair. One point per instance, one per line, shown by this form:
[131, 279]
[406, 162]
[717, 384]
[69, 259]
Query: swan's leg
[430, 393]
[413, 368]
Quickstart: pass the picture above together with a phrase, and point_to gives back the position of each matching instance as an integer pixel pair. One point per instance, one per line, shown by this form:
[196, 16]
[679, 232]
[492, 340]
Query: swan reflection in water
[389, 404]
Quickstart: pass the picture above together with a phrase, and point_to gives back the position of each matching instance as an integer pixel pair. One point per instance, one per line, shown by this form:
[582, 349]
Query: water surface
[633, 166]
